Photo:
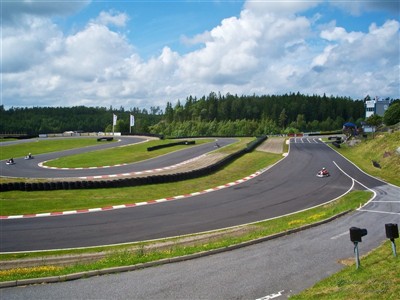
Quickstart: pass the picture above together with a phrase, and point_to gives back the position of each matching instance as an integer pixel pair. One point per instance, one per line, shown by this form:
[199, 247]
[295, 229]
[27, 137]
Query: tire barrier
[133, 181]
[107, 139]
[171, 145]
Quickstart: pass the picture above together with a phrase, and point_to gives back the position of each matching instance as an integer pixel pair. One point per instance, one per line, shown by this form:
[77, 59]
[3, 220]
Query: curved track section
[289, 186]
[31, 169]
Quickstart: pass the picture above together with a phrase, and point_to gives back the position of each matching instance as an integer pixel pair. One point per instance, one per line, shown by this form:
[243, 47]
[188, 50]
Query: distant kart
[322, 174]
[29, 157]
[8, 162]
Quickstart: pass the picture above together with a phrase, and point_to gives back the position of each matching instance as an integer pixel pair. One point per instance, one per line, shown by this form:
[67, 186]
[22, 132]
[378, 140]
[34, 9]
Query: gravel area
[273, 145]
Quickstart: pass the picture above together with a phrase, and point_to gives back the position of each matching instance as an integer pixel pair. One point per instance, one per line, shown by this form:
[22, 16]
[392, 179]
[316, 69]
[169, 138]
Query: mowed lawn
[120, 155]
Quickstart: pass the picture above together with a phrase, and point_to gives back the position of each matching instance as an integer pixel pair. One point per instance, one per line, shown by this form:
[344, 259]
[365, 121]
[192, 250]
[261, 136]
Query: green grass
[39, 146]
[377, 278]
[119, 155]
[18, 202]
[137, 253]
[382, 149]
[7, 140]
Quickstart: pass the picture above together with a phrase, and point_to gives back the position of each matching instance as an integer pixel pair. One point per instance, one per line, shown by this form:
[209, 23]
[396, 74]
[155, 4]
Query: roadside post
[355, 236]
[392, 232]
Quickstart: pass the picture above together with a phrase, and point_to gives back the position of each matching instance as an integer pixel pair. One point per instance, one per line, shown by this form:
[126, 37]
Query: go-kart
[29, 157]
[323, 174]
[10, 162]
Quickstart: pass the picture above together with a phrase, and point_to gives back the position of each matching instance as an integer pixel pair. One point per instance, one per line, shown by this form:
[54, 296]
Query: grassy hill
[381, 149]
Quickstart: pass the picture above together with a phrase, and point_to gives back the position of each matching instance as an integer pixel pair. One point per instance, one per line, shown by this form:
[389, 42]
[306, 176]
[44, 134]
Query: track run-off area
[287, 187]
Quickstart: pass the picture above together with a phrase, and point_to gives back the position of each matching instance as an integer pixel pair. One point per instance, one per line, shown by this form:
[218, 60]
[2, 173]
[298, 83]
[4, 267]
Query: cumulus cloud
[27, 45]
[112, 18]
[267, 49]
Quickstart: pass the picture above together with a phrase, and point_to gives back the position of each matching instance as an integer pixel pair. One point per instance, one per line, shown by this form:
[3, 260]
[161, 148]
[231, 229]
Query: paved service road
[289, 186]
[269, 270]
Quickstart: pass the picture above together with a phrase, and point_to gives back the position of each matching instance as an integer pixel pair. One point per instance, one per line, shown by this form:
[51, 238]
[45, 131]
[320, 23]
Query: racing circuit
[287, 187]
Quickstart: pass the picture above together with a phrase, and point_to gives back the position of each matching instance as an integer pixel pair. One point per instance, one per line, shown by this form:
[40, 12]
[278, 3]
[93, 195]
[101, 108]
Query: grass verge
[377, 278]
[137, 253]
[382, 149]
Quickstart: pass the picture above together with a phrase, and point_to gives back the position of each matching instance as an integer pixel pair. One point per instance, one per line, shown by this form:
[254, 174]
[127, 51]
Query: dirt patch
[272, 145]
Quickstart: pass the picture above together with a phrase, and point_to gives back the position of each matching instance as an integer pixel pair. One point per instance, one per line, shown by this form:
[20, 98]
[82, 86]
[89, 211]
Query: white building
[377, 107]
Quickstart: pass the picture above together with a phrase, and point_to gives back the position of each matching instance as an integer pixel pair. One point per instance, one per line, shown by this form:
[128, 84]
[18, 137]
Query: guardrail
[171, 145]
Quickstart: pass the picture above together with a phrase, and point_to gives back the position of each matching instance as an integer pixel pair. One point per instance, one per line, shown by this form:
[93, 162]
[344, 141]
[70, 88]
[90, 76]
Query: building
[376, 107]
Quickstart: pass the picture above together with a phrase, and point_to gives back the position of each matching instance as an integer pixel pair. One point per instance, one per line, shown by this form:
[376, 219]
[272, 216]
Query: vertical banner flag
[114, 119]
[132, 121]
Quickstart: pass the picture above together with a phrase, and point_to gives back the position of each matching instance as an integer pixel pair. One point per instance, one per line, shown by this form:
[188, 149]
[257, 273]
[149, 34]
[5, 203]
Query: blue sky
[155, 24]
[145, 53]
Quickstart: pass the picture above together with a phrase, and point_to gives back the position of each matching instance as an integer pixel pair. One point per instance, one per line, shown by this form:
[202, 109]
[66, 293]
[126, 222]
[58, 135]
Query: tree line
[228, 114]
[37, 120]
[214, 114]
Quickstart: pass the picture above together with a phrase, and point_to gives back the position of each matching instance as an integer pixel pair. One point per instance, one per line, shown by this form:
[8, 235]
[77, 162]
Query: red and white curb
[80, 211]
[41, 164]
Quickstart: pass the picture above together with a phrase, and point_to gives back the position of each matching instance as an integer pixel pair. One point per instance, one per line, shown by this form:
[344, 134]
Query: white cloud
[112, 18]
[28, 44]
[268, 49]
[89, 52]
[340, 34]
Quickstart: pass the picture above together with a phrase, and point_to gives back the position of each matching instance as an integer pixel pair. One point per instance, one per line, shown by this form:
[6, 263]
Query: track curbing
[130, 205]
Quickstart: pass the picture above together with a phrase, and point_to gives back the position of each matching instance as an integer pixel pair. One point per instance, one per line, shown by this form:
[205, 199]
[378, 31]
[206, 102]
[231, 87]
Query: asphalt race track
[289, 186]
[30, 169]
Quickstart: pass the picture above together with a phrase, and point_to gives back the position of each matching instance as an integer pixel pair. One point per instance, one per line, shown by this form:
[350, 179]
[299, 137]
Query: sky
[144, 53]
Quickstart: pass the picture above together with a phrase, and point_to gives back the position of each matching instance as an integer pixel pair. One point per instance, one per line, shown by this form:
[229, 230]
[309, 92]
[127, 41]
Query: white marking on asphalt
[271, 296]
[371, 190]
[339, 235]
[379, 201]
[379, 212]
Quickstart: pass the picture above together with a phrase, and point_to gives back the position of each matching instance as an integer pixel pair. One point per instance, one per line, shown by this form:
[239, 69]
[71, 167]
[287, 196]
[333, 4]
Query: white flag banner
[114, 119]
[132, 120]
